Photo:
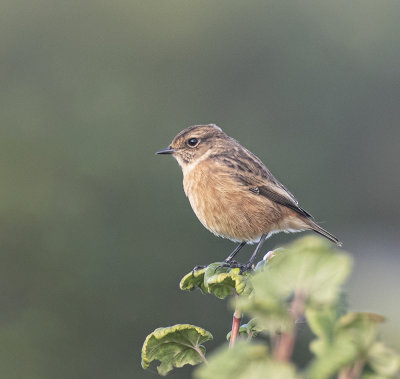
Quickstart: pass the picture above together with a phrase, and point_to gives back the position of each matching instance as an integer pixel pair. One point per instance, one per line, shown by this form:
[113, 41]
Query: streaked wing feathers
[252, 173]
[282, 200]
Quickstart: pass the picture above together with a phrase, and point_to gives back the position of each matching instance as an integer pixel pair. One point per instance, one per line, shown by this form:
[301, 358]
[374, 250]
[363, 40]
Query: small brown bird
[232, 193]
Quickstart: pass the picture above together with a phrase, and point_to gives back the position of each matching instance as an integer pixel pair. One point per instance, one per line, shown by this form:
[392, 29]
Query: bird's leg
[234, 252]
[249, 264]
[228, 261]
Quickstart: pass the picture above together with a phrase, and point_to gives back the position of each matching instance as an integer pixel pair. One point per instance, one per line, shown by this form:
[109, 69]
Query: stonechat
[233, 193]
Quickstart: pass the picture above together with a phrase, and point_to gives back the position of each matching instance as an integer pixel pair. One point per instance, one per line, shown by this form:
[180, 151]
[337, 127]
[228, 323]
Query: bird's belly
[233, 214]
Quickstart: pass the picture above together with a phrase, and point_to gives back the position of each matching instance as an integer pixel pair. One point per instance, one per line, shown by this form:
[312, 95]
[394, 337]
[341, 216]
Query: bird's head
[194, 143]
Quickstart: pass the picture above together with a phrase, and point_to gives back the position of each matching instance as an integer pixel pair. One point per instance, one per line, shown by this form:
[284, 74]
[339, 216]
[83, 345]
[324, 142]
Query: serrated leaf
[360, 327]
[193, 280]
[217, 280]
[225, 281]
[244, 361]
[309, 267]
[174, 346]
[341, 342]
[225, 284]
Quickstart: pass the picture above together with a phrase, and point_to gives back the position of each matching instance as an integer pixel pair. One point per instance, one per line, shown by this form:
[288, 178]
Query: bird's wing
[272, 190]
[271, 193]
[251, 172]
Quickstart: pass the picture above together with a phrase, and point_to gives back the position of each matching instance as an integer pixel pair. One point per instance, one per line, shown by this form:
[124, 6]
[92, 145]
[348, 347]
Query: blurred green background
[95, 230]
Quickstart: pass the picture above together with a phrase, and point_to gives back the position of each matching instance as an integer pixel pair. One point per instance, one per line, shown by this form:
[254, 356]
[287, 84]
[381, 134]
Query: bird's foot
[246, 267]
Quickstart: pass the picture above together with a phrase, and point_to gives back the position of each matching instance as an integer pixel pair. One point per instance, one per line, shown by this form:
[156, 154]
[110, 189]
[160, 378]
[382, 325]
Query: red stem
[237, 317]
[352, 372]
[235, 328]
[285, 346]
[284, 349]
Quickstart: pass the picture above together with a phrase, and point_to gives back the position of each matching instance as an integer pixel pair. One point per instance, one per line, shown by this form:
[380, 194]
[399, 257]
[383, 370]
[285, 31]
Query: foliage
[245, 361]
[174, 346]
[303, 280]
[217, 280]
[308, 268]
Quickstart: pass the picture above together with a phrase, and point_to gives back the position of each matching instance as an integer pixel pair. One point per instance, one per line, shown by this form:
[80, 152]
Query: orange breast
[227, 208]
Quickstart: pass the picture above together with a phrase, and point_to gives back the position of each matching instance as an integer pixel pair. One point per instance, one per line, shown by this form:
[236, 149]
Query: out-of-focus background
[95, 230]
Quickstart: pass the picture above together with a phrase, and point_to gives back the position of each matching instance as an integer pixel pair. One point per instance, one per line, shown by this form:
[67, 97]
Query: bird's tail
[323, 232]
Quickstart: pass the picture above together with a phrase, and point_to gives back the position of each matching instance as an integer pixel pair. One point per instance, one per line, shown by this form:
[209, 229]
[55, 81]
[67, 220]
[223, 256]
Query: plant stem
[284, 348]
[352, 372]
[237, 316]
[202, 356]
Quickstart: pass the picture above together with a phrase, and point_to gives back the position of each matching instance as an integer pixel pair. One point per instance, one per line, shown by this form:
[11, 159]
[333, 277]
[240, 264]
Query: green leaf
[331, 357]
[361, 328]
[322, 322]
[269, 369]
[383, 361]
[217, 280]
[225, 281]
[341, 342]
[310, 267]
[244, 361]
[175, 346]
[193, 280]
[272, 316]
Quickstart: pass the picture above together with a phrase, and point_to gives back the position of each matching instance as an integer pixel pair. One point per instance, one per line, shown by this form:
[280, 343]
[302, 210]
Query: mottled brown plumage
[231, 191]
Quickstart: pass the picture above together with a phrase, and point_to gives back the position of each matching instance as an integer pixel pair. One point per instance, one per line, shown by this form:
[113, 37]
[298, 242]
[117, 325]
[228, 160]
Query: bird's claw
[243, 267]
[229, 264]
[246, 267]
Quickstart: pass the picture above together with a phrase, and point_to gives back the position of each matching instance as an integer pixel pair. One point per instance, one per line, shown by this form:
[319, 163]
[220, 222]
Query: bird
[233, 194]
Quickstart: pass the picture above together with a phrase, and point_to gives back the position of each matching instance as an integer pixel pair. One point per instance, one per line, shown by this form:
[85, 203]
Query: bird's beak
[167, 150]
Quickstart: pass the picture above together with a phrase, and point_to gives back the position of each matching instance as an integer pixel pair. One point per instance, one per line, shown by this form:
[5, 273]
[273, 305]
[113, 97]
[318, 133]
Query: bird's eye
[193, 142]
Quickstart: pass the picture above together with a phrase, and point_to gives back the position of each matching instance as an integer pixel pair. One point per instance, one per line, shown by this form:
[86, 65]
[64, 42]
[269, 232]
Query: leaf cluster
[302, 281]
[217, 280]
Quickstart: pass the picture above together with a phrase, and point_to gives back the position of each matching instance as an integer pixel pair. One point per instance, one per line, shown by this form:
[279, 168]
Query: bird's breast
[224, 206]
